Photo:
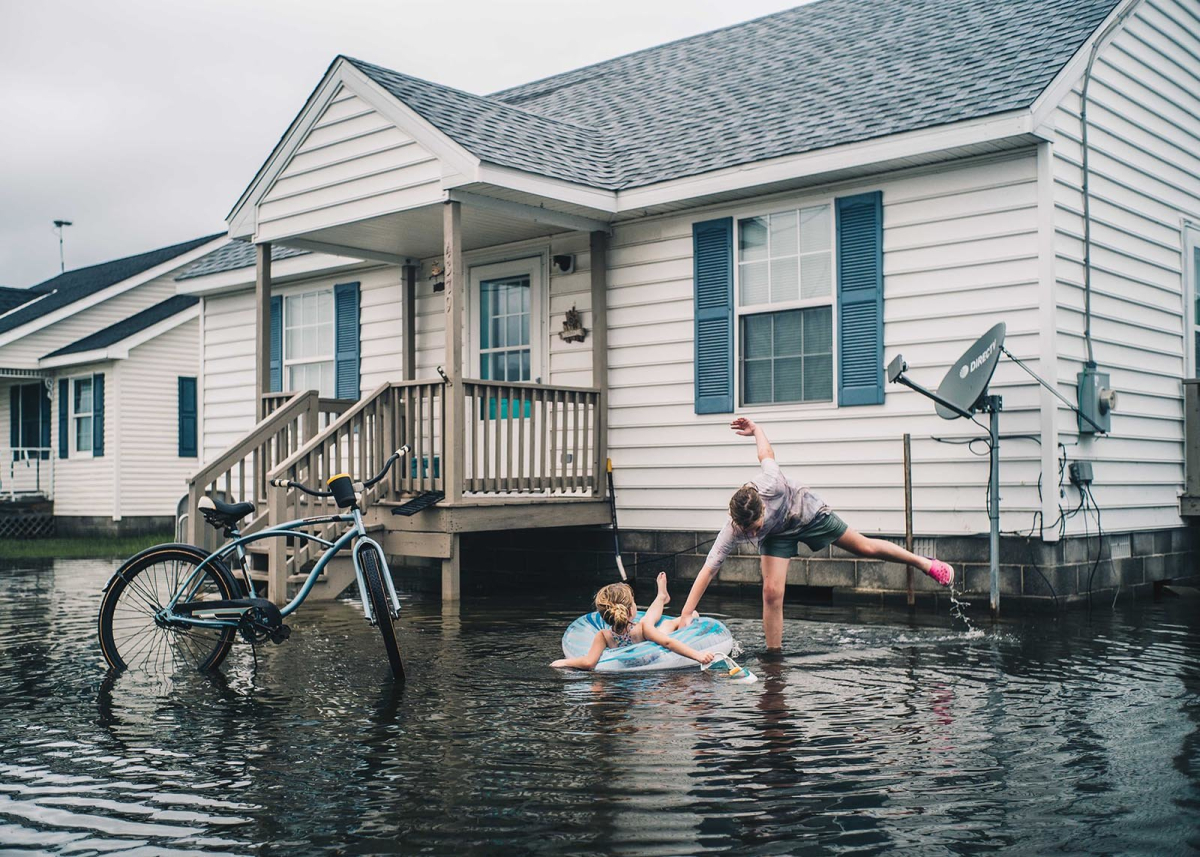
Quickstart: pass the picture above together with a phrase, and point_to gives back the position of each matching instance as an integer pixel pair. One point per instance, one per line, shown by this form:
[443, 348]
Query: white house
[750, 221]
[98, 388]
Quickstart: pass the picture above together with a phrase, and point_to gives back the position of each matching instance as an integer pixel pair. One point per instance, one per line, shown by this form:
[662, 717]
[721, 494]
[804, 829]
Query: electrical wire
[1099, 547]
[664, 557]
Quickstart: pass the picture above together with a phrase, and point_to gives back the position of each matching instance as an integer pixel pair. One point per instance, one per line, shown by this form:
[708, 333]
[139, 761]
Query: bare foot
[662, 587]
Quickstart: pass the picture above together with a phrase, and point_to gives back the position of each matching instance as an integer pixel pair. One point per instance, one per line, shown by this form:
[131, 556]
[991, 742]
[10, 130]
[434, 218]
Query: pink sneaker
[940, 571]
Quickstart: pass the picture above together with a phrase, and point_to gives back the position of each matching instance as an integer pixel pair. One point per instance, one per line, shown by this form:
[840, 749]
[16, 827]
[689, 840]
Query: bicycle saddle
[223, 514]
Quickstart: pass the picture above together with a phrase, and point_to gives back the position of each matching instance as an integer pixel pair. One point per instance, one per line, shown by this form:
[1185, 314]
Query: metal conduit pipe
[1086, 189]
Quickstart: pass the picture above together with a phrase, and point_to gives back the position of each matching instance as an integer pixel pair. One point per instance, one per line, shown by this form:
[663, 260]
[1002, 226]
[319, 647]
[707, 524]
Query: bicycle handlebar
[312, 492]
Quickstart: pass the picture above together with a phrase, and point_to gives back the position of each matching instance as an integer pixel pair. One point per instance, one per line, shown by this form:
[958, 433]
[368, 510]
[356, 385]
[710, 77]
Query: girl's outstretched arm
[749, 428]
[656, 635]
[588, 661]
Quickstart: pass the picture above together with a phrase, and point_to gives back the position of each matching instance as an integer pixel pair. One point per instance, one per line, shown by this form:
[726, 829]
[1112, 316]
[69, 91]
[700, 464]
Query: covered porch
[26, 457]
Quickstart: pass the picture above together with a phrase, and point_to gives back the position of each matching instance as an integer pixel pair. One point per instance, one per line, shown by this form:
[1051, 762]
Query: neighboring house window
[29, 416]
[785, 304]
[308, 342]
[81, 414]
[505, 350]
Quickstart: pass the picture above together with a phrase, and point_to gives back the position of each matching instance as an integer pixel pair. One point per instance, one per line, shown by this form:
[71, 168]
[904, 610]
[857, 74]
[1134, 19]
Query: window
[785, 307]
[505, 309]
[81, 413]
[30, 421]
[308, 342]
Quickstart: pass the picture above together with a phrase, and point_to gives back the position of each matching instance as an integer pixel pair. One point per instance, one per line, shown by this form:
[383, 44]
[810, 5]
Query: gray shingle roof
[127, 327]
[823, 74]
[236, 254]
[10, 297]
[73, 285]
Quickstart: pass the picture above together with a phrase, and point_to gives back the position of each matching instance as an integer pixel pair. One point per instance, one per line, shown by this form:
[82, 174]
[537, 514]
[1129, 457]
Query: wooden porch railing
[358, 443]
[239, 474]
[1189, 503]
[531, 438]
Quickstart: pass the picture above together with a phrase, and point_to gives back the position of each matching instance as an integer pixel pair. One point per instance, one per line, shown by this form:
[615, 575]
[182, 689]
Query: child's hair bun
[615, 603]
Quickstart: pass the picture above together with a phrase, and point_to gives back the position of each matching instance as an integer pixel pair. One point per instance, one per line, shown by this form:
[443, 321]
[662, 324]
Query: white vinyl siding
[352, 164]
[960, 251]
[152, 476]
[85, 485]
[1144, 142]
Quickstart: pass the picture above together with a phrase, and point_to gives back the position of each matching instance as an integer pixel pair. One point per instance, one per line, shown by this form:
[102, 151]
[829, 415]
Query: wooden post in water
[908, 512]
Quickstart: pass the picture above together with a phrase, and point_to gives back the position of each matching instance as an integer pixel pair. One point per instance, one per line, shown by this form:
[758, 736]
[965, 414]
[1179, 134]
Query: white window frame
[305, 361]
[759, 309]
[533, 267]
[76, 452]
[1191, 271]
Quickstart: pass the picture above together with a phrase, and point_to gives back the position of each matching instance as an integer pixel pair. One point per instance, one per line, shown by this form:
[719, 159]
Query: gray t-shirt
[787, 508]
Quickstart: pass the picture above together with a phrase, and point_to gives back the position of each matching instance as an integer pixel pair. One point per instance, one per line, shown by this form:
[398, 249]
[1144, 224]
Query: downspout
[1087, 205]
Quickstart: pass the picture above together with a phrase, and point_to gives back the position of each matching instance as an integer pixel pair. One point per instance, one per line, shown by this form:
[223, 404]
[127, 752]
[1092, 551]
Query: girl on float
[776, 514]
[617, 608]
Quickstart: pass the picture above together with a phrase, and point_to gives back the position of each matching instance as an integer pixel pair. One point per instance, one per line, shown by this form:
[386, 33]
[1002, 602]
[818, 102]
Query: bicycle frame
[288, 529]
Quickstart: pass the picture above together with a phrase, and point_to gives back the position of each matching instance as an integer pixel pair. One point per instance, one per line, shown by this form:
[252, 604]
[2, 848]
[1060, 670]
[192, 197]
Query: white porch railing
[26, 471]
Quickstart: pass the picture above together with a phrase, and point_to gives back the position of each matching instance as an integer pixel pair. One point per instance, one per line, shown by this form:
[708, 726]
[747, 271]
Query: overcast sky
[143, 121]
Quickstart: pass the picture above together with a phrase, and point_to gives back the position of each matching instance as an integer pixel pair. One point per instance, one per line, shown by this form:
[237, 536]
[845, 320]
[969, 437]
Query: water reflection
[876, 733]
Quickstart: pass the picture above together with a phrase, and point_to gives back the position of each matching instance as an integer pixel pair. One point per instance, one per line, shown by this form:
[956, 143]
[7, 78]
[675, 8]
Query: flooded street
[877, 733]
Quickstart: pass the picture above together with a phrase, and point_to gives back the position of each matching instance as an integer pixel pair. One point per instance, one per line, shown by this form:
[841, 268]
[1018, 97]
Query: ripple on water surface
[875, 733]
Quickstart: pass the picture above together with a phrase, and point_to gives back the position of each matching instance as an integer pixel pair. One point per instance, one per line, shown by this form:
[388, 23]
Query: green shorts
[820, 532]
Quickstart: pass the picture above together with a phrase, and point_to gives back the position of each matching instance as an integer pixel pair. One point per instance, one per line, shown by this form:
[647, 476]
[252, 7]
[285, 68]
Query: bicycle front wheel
[132, 632]
[373, 571]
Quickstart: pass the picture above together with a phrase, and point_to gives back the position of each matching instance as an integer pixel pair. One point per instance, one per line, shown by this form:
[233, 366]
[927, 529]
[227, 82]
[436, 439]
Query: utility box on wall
[1096, 400]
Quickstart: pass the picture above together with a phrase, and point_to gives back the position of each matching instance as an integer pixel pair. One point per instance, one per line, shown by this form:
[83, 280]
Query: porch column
[599, 268]
[452, 427]
[409, 286]
[262, 327]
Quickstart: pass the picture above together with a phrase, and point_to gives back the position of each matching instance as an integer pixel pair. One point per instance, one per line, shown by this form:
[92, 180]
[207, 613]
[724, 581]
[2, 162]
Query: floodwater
[877, 733]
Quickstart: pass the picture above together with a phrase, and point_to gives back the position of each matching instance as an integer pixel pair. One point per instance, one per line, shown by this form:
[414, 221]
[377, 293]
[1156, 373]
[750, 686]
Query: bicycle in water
[177, 606]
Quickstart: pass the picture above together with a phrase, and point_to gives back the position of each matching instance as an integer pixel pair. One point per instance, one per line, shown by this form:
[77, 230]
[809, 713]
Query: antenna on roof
[62, 263]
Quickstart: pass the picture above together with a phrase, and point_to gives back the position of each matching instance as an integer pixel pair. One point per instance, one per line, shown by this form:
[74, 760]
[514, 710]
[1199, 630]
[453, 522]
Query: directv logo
[967, 368]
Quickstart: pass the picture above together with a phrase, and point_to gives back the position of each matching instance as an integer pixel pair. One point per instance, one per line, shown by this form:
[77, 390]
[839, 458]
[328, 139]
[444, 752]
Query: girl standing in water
[776, 514]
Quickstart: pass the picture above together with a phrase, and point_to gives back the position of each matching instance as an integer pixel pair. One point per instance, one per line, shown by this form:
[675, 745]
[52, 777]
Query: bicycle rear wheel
[373, 571]
[130, 635]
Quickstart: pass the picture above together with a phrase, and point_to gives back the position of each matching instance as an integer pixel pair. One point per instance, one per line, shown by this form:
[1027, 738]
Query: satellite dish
[967, 381]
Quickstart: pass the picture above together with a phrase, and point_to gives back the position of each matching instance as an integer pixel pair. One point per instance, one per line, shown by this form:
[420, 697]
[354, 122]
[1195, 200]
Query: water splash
[958, 609]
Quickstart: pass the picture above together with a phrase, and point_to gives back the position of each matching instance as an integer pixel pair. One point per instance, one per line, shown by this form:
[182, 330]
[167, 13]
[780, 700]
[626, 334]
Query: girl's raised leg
[655, 610]
[857, 543]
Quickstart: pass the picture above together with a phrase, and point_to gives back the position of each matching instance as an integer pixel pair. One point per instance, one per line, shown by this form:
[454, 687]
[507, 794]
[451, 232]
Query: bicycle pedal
[278, 635]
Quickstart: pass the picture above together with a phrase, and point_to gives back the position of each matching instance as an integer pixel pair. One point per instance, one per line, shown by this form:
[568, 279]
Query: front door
[505, 324]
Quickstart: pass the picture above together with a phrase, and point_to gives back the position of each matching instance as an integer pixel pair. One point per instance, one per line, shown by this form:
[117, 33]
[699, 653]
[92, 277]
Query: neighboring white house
[98, 389]
[782, 206]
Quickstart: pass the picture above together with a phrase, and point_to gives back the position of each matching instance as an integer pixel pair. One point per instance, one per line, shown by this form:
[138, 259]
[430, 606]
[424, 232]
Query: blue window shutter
[97, 416]
[345, 354]
[14, 421]
[712, 253]
[275, 381]
[187, 417]
[64, 411]
[860, 299]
